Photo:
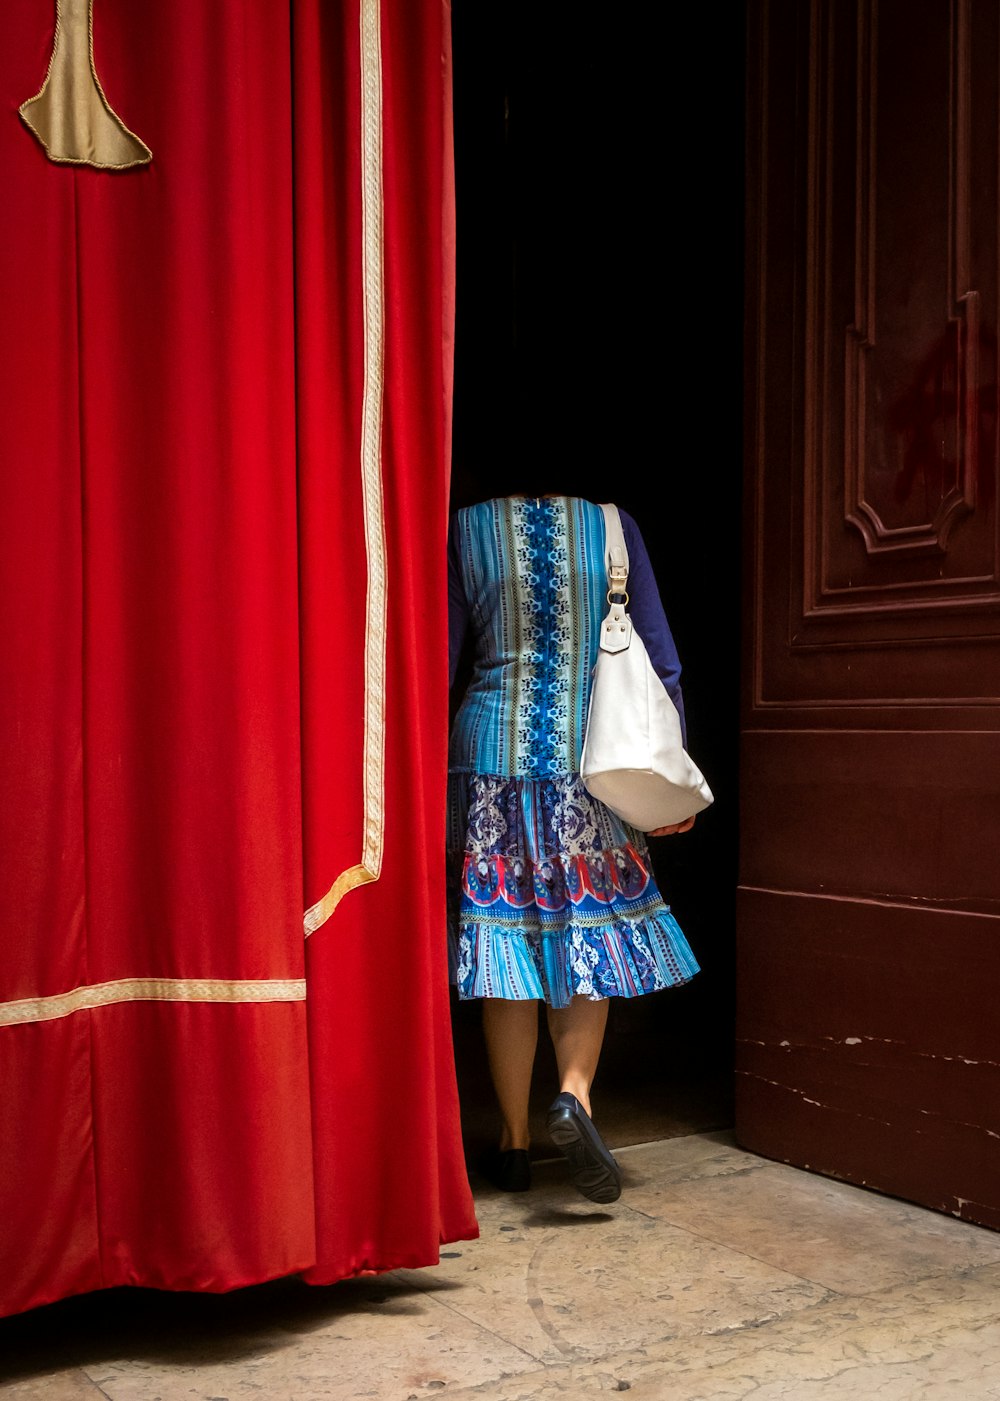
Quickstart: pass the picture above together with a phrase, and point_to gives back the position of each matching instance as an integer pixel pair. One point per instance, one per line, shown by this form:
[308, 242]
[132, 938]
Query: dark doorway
[599, 332]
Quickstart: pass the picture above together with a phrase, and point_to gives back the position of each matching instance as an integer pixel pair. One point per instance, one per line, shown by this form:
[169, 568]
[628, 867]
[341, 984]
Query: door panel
[869, 917]
[868, 1045]
[899, 815]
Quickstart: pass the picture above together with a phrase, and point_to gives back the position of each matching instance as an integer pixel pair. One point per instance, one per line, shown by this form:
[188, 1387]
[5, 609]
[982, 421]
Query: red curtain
[223, 495]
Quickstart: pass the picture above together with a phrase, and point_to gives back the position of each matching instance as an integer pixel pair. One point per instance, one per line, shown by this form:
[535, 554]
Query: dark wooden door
[868, 979]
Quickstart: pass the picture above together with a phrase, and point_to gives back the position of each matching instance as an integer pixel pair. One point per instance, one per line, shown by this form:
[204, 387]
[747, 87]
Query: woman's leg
[577, 1033]
[511, 1032]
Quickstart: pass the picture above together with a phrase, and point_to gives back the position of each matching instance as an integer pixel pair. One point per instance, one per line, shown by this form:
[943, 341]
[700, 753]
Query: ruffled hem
[552, 897]
[618, 958]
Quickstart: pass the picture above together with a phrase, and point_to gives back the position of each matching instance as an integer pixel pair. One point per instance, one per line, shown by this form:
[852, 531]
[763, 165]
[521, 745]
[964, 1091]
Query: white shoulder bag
[633, 757]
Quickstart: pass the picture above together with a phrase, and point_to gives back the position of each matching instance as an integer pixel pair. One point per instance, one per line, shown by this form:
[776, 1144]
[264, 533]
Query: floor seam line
[485, 1327]
[100, 1388]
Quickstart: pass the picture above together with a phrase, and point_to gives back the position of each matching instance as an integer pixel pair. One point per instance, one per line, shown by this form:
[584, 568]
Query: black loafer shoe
[592, 1168]
[507, 1168]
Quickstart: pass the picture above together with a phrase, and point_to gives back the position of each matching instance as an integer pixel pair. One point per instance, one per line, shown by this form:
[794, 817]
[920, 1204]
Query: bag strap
[616, 551]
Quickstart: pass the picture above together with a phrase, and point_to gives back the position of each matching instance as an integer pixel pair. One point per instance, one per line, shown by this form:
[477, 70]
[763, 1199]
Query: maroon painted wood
[869, 910]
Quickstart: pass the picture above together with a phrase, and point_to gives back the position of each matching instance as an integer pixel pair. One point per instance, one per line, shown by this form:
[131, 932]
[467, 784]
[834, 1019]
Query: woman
[553, 897]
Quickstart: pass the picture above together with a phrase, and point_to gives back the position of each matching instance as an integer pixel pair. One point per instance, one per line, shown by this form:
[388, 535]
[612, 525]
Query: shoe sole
[595, 1173]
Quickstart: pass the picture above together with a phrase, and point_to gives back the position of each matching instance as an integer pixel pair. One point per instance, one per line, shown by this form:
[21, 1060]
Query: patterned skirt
[552, 896]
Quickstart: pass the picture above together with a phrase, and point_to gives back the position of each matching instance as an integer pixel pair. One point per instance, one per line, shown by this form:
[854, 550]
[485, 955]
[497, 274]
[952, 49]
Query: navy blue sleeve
[645, 608]
[458, 604]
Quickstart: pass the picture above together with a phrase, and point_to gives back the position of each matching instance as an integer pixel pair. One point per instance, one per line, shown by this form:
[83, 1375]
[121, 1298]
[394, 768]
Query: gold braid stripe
[64, 1004]
[373, 283]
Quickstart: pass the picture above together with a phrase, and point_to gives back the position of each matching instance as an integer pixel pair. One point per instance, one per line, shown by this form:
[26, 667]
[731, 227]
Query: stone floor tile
[847, 1238]
[566, 1279]
[52, 1386]
[938, 1340]
[697, 1155]
[372, 1338]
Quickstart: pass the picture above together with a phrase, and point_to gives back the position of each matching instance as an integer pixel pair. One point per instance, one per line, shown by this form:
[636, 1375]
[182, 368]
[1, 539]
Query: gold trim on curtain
[64, 1004]
[373, 284]
[70, 115]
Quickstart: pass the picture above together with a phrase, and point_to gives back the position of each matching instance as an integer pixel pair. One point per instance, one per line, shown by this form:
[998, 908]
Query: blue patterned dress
[551, 894]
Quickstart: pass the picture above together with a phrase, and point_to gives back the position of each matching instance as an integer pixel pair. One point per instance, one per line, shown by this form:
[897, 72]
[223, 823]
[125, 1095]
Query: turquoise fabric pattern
[551, 895]
[533, 570]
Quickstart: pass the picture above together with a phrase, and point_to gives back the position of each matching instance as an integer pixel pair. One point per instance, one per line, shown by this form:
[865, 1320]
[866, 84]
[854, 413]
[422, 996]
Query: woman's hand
[669, 831]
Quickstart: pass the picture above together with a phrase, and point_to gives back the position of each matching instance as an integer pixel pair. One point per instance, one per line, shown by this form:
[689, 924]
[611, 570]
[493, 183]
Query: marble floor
[718, 1275]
